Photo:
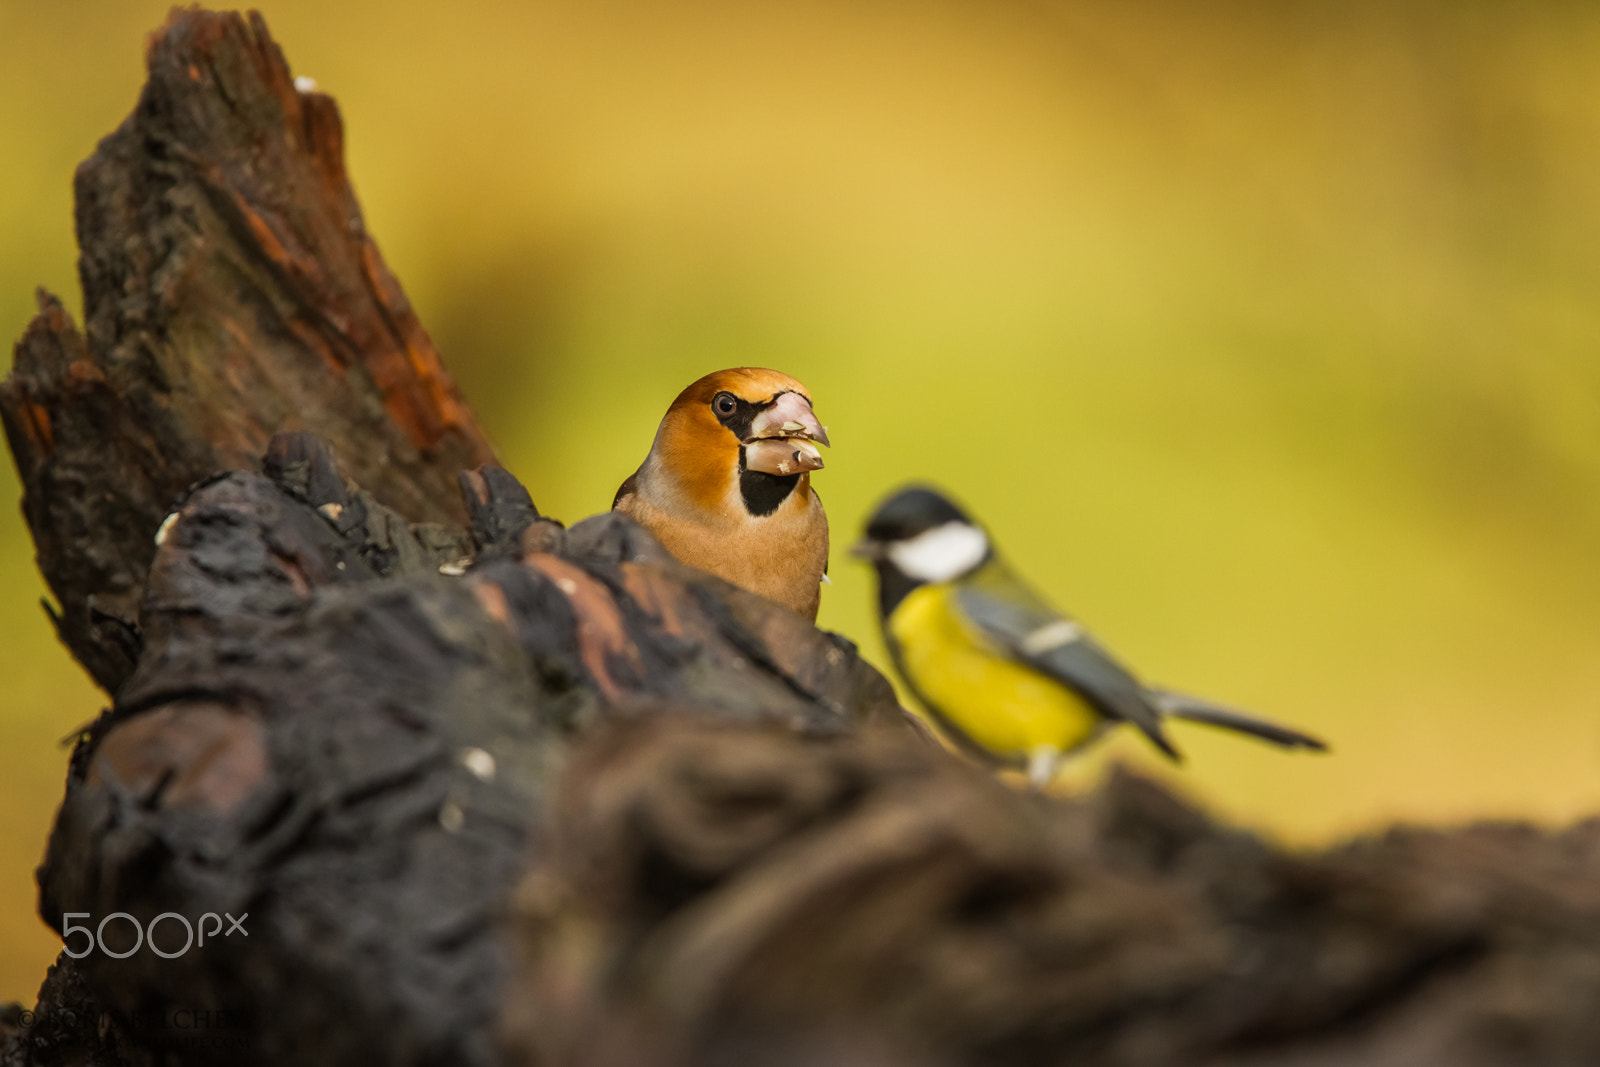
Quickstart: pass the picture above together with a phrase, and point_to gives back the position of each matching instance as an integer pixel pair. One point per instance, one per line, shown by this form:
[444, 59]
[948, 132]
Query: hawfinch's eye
[724, 404]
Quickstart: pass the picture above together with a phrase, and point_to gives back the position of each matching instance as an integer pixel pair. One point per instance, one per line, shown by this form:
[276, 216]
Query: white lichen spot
[567, 586]
[455, 568]
[166, 527]
[303, 84]
[478, 762]
[331, 512]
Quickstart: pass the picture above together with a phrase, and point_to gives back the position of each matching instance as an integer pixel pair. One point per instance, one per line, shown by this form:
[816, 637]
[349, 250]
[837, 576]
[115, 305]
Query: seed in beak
[782, 455]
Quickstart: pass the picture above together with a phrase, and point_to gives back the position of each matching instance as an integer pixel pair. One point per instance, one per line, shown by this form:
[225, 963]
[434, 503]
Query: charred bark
[331, 736]
[721, 896]
[480, 788]
[231, 292]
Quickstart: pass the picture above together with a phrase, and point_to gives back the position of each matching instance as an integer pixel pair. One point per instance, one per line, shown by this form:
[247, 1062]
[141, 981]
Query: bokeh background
[1265, 336]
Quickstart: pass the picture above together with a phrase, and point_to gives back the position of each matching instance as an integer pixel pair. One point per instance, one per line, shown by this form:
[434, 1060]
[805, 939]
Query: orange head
[735, 425]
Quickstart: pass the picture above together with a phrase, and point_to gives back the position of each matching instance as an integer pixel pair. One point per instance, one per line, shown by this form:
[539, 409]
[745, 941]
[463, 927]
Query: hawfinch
[727, 485]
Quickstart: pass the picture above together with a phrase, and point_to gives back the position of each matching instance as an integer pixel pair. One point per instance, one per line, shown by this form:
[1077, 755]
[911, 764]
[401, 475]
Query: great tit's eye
[724, 404]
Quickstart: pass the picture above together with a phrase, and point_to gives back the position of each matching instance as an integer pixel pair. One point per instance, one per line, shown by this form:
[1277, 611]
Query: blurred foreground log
[481, 789]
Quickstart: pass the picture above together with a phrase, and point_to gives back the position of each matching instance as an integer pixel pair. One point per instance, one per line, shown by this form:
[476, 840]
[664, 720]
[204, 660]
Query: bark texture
[723, 896]
[230, 292]
[331, 736]
[479, 788]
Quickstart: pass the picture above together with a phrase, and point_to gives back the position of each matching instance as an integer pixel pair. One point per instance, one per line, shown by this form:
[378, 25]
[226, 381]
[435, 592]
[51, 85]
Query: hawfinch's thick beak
[781, 437]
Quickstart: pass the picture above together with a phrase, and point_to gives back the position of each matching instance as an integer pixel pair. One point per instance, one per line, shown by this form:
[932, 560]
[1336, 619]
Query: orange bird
[727, 485]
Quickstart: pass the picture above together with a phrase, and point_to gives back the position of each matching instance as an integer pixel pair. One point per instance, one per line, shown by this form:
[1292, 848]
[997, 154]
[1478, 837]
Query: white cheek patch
[942, 553]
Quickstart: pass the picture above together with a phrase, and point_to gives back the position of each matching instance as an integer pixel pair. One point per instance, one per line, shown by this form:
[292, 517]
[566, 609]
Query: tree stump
[455, 784]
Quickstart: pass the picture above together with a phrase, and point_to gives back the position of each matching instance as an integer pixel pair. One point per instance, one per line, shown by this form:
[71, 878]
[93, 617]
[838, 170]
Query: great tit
[1008, 678]
[727, 485]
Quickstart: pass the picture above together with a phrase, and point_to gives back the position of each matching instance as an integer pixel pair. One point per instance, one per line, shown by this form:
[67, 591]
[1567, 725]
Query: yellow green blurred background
[1264, 336]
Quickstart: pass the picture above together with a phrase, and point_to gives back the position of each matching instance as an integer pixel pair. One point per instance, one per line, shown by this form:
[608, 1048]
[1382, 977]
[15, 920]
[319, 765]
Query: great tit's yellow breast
[999, 704]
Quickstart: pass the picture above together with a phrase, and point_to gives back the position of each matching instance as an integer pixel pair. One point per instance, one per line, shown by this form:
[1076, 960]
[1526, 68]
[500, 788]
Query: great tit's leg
[1043, 762]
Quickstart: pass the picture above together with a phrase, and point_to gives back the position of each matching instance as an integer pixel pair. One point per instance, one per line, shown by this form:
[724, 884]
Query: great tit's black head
[911, 512]
[918, 536]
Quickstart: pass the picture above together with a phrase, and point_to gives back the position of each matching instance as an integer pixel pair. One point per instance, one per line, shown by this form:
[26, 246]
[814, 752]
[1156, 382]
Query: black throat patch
[894, 585]
[763, 492]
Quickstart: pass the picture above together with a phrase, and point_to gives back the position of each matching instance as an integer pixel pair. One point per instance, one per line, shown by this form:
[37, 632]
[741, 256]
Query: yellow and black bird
[1010, 679]
[727, 485]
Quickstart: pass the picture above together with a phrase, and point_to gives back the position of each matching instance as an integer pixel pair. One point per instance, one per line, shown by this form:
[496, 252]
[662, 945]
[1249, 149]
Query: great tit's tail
[1193, 709]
